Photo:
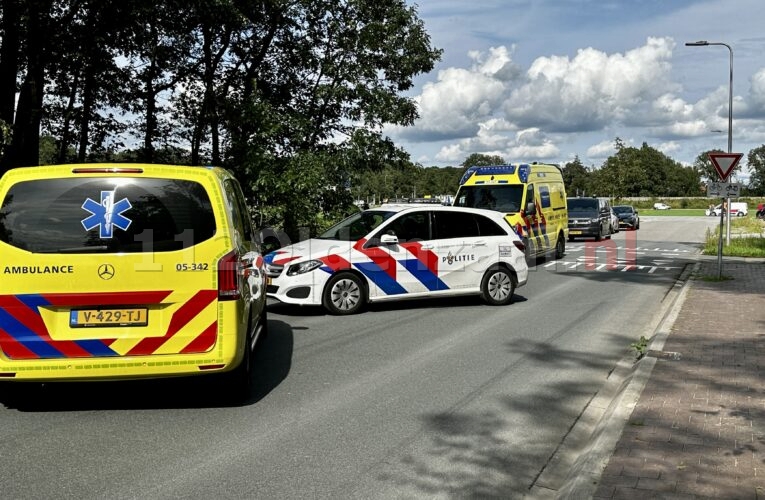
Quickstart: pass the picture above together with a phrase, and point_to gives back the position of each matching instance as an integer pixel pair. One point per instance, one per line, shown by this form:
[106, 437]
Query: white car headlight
[303, 267]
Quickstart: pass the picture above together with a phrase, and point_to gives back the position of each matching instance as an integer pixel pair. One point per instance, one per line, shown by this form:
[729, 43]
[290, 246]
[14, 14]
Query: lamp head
[700, 43]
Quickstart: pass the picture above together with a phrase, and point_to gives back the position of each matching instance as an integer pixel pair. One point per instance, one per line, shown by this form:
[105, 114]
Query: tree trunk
[87, 110]
[9, 59]
[151, 120]
[66, 134]
[25, 147]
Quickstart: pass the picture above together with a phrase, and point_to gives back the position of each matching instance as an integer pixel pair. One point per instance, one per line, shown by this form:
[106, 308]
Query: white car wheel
[344, 294]
[498, 286]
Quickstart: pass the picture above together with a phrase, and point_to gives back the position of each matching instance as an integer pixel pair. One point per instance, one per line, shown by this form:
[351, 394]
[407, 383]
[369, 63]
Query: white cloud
[494, 139]
[460, 99]
[586, 76]
[688, 128]
[757, 89]
[603, 149]
[557, 94]
[591, 90]
[452, 106]
[669, 147]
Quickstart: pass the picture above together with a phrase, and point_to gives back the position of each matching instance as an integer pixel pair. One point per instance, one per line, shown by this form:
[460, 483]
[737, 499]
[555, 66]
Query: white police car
[401, 251]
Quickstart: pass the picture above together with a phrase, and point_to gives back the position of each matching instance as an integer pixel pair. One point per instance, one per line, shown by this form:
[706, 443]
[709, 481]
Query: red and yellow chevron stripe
[191, 328]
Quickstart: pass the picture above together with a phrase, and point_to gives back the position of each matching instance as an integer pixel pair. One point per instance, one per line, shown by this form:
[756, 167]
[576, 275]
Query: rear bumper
[121, 369]
[584, 232]
[224, 354]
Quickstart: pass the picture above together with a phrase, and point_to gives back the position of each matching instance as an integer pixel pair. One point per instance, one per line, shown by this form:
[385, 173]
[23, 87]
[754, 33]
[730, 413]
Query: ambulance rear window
[106, 215]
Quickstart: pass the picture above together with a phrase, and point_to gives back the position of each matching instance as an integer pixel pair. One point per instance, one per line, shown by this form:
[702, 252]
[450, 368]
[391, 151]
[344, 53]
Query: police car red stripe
[379, 256]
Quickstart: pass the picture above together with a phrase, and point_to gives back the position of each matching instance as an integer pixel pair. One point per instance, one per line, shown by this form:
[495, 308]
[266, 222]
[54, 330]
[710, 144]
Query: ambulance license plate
[127, 316]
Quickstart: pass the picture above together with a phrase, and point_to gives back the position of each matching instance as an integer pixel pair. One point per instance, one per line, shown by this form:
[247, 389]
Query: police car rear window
[106, 215]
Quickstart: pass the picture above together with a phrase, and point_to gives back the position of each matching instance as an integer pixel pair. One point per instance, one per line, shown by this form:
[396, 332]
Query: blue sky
[547, 80]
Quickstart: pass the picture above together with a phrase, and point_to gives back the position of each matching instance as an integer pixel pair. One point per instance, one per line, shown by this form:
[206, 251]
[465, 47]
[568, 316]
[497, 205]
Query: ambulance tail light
[229, 272]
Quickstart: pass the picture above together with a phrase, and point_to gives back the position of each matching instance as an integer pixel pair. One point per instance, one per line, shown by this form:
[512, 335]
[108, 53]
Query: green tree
[576, 178]
[38, 22]
[440, 180]
[755, 160]
[87, 84]
[321, 80]
[481, 160]
[267, 89]
[644, 171]
[10, 54]
[704, 166]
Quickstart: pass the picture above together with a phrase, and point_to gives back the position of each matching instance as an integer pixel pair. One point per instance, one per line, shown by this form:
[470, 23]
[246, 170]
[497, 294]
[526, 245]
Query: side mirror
[389, 239]
[531, 208]
[270, 244]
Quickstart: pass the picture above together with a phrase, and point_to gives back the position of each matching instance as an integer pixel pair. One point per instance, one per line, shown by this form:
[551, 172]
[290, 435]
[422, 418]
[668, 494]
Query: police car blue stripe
[424, 275]
[376, 275]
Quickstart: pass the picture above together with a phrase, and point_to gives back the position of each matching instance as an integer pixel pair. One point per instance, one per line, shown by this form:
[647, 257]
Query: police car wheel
[344, 294]
[498, 286]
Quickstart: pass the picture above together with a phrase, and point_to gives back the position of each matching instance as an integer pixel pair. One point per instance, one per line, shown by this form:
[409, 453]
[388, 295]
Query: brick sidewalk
[698, 429]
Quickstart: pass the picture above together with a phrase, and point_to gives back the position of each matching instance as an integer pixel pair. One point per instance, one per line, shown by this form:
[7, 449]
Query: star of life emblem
[106, 215]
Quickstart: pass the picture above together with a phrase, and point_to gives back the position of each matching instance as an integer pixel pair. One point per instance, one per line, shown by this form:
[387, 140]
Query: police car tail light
[519, 245]
[229, 271]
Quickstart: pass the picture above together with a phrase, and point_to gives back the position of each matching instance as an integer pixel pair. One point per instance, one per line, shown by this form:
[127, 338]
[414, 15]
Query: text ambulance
[532, 197]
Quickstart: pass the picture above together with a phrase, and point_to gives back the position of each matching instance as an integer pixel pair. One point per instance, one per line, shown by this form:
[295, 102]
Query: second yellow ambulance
[532, 197]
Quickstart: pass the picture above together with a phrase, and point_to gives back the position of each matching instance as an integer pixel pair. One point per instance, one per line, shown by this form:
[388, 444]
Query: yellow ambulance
[119, 271]
[532, 197]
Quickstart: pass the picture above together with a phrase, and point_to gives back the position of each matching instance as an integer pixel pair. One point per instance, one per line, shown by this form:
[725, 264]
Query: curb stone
[575, 470]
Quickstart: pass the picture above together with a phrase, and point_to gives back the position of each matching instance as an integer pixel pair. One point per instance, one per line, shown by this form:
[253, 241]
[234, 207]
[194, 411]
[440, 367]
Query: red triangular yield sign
[725, 163]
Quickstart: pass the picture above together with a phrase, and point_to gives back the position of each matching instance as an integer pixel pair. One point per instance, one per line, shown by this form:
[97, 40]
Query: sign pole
[720, 238]
[724, 164]
[704, 43]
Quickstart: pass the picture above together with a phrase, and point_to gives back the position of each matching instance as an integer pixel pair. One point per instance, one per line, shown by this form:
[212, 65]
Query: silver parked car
[614, 222]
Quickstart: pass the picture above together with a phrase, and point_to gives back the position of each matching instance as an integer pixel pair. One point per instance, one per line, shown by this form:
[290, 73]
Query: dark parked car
[628, 216]
[589, 217]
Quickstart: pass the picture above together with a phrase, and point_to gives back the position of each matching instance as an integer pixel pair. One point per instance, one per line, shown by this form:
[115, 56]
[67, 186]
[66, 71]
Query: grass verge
[683, 212]
[744, 241]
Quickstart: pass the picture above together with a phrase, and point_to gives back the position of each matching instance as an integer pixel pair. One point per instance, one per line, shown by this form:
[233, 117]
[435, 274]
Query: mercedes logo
[106, 271]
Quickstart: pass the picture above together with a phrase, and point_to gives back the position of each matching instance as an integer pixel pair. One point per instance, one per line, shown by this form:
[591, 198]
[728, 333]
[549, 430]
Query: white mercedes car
[401, 251]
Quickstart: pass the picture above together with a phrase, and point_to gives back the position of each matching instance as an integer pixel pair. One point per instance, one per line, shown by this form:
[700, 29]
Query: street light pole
[726, 212]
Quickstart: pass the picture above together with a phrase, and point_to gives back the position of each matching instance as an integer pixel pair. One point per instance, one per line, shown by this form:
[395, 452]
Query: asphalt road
[440, 398]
